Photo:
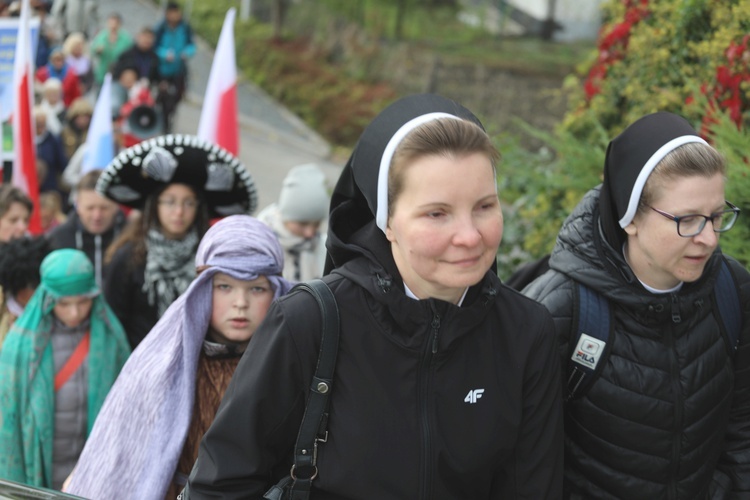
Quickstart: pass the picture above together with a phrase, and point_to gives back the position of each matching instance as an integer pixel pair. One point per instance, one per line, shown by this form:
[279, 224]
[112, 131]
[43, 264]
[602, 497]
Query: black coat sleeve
[556, 292]
[123, 290]
[249, 445]
[538, 459]
[118, 283]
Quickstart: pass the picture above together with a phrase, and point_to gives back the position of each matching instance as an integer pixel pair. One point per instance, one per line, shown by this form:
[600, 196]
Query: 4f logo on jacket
[473, 396]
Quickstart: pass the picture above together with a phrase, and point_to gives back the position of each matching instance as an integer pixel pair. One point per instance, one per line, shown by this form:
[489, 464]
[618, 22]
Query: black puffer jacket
[669, 417]
[402, 423]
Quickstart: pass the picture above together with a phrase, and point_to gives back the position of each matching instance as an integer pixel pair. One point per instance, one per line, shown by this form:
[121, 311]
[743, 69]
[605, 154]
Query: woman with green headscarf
[57, 364]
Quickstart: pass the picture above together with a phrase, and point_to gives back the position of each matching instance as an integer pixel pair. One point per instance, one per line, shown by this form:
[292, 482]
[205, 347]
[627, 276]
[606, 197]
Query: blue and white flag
[100, 141]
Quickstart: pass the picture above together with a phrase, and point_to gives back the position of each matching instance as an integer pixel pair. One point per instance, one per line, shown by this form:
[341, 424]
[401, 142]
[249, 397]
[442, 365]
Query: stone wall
[497, 95]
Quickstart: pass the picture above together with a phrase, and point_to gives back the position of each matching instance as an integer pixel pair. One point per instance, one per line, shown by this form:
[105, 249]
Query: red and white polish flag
[24, 147]
[218, 121]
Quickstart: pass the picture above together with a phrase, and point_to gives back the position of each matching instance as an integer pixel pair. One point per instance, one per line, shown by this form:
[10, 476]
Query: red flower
[592, 85]
[619, 35]
[613, 44]
[734, 105]
[727, 91]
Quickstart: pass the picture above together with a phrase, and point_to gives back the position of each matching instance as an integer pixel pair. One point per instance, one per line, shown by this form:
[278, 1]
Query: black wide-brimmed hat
[146, 168]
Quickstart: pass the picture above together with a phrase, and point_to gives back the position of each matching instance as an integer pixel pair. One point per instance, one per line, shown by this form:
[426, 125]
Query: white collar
[411, 295]
[647, 287]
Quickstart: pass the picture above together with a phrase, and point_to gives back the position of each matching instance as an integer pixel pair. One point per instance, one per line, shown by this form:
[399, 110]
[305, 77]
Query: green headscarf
[27, 375]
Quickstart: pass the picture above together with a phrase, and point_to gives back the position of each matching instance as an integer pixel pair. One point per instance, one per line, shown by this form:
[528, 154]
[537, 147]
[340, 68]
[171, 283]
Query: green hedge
[689, 57]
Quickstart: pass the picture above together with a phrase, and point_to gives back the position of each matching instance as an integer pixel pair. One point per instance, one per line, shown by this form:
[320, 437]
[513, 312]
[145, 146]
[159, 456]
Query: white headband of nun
[640, 182]
[381, 217]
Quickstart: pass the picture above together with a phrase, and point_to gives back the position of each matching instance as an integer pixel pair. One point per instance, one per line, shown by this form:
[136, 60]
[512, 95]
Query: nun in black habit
[667, 413]
[446, 384]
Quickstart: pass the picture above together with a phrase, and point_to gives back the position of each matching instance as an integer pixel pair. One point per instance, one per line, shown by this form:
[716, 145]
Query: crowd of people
[149, 72]
[153, 230]
[153, 343]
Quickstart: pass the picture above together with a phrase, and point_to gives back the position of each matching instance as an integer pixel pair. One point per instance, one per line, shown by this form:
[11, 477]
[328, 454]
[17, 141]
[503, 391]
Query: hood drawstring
[97, 253]
[384, 283]
[489, 295]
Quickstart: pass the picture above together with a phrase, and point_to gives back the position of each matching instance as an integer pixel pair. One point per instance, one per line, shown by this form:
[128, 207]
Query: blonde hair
[52, 200]
[52, 83]
[693, 159]
[75, 38]
[80, 106]
[39, 112]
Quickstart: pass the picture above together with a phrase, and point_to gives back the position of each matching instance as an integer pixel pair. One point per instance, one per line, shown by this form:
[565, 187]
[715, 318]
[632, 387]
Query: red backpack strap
[73, 363]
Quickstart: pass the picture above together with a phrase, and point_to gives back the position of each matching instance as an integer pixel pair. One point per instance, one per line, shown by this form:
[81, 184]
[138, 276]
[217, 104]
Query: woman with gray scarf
[296, 219]
[177, 182]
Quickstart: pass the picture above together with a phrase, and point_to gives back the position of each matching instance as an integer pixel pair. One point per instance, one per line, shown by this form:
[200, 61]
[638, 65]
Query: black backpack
[590, 344]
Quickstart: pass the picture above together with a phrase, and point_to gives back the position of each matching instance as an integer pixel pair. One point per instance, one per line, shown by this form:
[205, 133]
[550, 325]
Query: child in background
[51, 102]
[58, 68]
[57, 364]
[50, 210]
[146, 438]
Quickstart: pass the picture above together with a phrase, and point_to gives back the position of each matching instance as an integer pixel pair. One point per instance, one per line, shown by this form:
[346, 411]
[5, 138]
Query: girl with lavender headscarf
[145, 440]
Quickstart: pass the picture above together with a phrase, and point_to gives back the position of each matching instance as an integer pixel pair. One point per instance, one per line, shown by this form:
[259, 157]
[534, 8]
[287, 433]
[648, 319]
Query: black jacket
[123, 289]
[669, 417]
[403, 420]
[145, 62]
[72, 234]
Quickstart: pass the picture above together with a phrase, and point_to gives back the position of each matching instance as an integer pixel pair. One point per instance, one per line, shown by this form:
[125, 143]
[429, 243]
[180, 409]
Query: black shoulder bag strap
[314, 425]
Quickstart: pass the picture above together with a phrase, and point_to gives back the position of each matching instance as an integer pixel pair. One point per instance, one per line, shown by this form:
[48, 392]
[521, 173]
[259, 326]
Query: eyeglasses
[172, 204]
[692, 224]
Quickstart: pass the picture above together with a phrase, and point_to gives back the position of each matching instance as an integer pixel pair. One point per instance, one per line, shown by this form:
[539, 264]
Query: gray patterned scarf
[169, 267]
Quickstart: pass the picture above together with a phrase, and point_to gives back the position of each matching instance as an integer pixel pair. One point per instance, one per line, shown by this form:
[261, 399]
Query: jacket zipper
[675, 378]
[426, 378]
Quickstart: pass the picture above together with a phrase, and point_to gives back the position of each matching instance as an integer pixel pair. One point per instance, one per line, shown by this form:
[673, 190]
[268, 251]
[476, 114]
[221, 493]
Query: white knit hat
[304, 196]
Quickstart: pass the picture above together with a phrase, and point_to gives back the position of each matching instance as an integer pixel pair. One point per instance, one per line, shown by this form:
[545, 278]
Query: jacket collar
[376, 272]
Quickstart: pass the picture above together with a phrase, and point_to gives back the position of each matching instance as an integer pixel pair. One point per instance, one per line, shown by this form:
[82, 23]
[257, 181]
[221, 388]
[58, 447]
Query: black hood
[354, 200]
[631, 156]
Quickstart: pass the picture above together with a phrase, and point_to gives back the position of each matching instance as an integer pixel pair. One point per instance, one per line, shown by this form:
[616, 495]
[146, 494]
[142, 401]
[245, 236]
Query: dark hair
[9, 195]
[20, 260]
[173, 6]
[447, 137]
[88, 181]
[137, 228]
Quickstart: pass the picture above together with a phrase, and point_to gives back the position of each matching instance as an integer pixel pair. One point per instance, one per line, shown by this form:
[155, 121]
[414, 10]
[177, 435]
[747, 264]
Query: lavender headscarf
[138, 436]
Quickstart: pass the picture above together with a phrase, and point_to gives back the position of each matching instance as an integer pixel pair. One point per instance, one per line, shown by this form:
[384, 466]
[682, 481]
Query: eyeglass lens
[186, 204]
[690, 225]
